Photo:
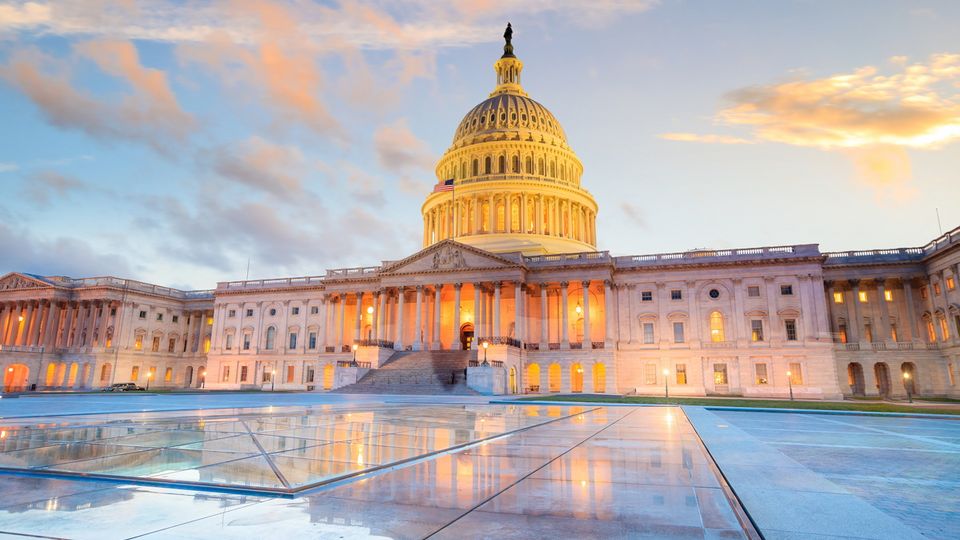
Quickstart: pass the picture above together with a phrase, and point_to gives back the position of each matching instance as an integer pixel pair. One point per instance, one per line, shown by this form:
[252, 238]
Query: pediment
[15, 281]
[449, 255]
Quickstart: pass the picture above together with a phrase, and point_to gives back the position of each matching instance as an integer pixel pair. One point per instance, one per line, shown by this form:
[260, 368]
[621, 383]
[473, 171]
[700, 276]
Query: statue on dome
[508, 46]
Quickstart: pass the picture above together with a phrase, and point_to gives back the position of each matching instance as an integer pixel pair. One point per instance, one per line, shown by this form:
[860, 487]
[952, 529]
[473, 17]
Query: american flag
[446, 185]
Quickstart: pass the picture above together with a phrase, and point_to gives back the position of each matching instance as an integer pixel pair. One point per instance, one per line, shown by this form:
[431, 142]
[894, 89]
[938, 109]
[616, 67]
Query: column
[587, 341]
[69, 311]
[774, 320]
[544, 319]
[418, 324]
[50, 329]
[911, 308]
[739, 333]
[324, 320]
[38, 319]
[456, 316]
[476, 316]
[857, 323]
[341, 324]
[4, 321]
[437, 293]
[22, 337]
[399, 341]
[808, 296]
[359, 314]
[496, 308]
[381, 314]
[564, 317]
[608, 317]
[519, 312]
[883, 322]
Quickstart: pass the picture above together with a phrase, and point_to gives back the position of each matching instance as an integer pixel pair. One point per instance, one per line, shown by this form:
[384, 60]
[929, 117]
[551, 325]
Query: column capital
[691, 283]
[457, 286]
[478, 285]
[880, 281]
[854, 282]
[419, 288]
[438, 287]
[564, 284]
[497, 284]
[586, 283]
[828, 283]
[543, 285]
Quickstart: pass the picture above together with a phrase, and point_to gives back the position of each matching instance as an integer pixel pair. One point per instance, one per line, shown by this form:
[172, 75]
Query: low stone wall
[487, 380]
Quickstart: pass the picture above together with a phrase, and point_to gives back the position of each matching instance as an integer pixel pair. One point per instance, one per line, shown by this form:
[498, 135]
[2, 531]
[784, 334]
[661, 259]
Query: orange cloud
[710, 138]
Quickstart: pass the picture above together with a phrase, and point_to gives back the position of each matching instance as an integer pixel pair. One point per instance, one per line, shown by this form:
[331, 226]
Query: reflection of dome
[516, 182]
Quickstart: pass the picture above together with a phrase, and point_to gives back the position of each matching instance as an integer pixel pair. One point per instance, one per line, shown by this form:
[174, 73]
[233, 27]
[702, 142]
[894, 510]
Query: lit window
[155, 346]
[290, 372]
[936, 289]
[842, 330]
[893, 332]
[753, 291]
[863, 296]
[681, 373]
[226, 374]
[135, 373]
[243, 373]
[209, 321]
[924, 292]
[171, 344]
[719, 374]
[648, 333]
[716, 327]
[786, 290]
[676, 294]
[678, 332]
[931, 332]
[646, 296]
[760, 374]
[138, 342]
[888, 295]
[944, 328]
[791, 327]
[168, 374]
[796, 374]
[756, 330]
[951, 284]
[838, 297]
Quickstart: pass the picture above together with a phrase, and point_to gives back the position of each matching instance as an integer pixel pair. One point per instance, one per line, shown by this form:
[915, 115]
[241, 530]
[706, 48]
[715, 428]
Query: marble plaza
[510, 295]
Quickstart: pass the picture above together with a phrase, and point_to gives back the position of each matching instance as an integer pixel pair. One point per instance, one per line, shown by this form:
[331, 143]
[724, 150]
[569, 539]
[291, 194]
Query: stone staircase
[417, 372]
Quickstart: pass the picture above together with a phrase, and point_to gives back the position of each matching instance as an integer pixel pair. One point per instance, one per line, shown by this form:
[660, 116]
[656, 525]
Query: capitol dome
[509, 181]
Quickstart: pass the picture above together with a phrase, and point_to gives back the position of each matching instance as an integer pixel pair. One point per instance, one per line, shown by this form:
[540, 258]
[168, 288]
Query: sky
[180, 143]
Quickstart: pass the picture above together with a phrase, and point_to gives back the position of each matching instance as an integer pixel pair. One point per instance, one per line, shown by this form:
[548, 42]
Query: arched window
[516, 164]
[485, 217]
[476, 167]
[553, 169]
[540, 167]
[576, 378]
[515, 216]
[503, 165]
[487, 164]
[105, 372]
[563, 172]
[533, 377]
[529, 165]
[716, 327]
[463, 169]
[530, 215]
[501, 217]
[554, 375]
[599, 378]
[271, 338]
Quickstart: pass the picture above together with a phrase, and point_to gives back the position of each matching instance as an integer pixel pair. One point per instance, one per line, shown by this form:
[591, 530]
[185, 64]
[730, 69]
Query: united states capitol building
[510, 295]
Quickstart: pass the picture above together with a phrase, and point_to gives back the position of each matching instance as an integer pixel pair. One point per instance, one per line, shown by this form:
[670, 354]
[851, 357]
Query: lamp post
[354, 364]
[666, 383]
[203, 379]
[790, 384]
[485, 345]
[906, 385]
[149, 376]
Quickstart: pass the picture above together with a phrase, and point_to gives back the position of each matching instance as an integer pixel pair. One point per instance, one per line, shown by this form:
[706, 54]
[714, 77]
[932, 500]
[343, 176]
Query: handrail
[382, 343]
[499, 340]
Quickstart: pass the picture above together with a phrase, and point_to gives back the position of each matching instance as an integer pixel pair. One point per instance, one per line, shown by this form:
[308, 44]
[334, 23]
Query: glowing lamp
[369, 310]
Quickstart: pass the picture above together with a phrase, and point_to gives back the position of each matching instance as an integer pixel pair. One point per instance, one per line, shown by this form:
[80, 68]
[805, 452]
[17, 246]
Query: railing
[718, 255]
[566, 258]
[351, 364]
[130, 284]
[382, 343]
[896, 254]
[597, 345]
[353, 272]
[532, 346]
[21, 349]
[499, 340]
[539, 179]
[878, 346]
[485, 363]
[270, 283]
[576, 345]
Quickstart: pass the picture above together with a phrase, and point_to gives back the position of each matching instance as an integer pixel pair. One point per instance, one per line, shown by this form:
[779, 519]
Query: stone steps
[417, 372]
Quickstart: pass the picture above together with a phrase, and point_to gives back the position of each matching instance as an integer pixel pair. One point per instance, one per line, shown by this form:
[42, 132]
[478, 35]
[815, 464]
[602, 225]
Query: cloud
[713, 139]
[8, 167]
[20, 250]
[634, 214]
[28, 15]
[42, 186]
[148, 114]
[399, 150]
[262, 165]
[886, 169]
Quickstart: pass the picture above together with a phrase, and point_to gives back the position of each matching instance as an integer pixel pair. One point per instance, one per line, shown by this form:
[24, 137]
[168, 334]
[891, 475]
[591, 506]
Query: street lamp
[149, 376]
[906, 385]
[790, 384]
[354, 364]
[203, 379]
[485, 345]
[273, 380]
[666, 383]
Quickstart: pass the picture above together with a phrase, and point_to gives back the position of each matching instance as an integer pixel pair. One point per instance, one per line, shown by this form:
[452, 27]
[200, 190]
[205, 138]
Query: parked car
[124, 387]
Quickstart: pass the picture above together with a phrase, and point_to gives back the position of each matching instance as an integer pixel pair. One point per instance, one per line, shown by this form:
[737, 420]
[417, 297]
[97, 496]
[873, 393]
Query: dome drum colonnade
[515, 181]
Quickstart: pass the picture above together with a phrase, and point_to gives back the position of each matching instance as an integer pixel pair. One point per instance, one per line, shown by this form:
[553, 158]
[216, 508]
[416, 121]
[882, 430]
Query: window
[310, 375]
[786, 290]
[648, 333]
[868, 332]
[888, 295]
[753, 291]
[295, 311]
[209, 321]
[714, 294]
[290, 372]
[314, 310]
[863, 297]
[231, 313]
[893, 332]
[842, 330]
[716, 327]
[931, 333]
[646, 296]
[155, 346]
[312, 341]
[243, 373]
[760, 374]
[678, 332]
[293, 340]
[924, 292]
[159, 316]
[171, 344]
[271, 338]
[246, 341]
[143, 314]
[168, 374]
[791, 327]
[838, 297]
[229, 342]
[135, 373]
[676, 294]
[249, 313]
[796, 375]
[951, 284]
[113, 311]
[681, 373]
[138, 342]
[650, 373]
[756, 330]
[944, 329]
[226, 374]
[936, 289]
[720, 374]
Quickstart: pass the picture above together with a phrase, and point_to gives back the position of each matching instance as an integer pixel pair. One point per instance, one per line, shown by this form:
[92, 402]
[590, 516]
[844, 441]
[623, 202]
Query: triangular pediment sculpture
[16, 281]
[451, 256]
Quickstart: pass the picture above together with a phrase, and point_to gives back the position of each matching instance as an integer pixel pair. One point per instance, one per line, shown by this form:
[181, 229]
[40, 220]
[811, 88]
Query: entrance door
[466, 337]
[855, 378]
[883, 378]
[15, 378]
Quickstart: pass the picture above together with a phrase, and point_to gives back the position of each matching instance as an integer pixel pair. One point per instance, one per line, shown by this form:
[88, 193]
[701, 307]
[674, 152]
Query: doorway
[883, 379]
[909, 383]
[855, 378]
[15, 378]
[466, 337]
